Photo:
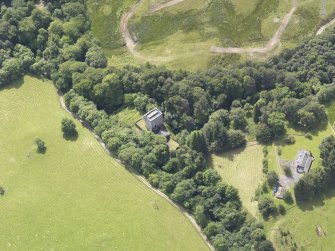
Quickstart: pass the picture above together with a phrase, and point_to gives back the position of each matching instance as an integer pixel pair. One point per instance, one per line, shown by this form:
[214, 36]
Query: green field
[75, 196]
[242, 168]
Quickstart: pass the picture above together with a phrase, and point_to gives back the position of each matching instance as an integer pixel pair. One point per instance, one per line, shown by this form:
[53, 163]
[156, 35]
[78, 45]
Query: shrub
[265, 166]
[308, 136]
[265, 151]
[272, 178]
[40, 145]
[68, 127]
[266, 207]
[281, 209]
[263, 134]
[287, 170]
[279, 150]
[2, 191]
[287, 196]
[290, 140]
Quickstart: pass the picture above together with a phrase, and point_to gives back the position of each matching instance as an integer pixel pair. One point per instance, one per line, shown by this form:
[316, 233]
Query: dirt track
[130, 43]
[165, 5]
[271, 44]
[323, 28]
[138, 176]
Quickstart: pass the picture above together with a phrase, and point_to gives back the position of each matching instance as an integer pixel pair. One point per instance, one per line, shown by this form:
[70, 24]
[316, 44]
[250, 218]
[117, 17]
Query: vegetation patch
[242, 168]
[75, 187]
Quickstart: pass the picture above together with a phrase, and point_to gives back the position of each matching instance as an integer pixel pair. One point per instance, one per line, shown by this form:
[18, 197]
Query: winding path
[323, 28]
[271, 44]
[131, 44]
[138, 176]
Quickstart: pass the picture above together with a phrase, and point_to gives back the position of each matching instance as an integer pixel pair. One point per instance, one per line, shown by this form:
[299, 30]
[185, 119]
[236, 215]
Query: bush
[281, 209]
[264, 246]
[265, 151]
[265, 166]
[266, 207]
[287, 196]
[290, 140]
[2, 191]
[263, 134]
[272, 178]
[279, 150]
[40, 145]
[287, 170]
[308, 136]
[68, 127]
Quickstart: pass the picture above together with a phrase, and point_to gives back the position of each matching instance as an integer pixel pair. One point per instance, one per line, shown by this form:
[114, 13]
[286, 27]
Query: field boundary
[138, 176]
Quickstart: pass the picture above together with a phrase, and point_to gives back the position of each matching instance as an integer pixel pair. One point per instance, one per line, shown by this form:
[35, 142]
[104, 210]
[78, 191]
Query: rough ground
[271, 44]
[131, 44]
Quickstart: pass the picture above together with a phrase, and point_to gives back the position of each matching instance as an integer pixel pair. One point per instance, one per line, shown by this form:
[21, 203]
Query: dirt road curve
[323, 28]
[271, 44]
[130, 43]
[165, 5]
[139, 177]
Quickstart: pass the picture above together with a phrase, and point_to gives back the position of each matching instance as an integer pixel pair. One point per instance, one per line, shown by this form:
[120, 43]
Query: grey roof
[153, 114]
[304, 160]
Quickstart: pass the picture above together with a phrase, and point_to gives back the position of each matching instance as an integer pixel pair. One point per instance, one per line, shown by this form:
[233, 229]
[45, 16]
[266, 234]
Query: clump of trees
[68, 128]
[41, 148]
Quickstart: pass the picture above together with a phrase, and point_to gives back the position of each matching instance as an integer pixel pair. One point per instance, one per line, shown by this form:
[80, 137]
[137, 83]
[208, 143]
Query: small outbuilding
[304, 161]
[154, 120]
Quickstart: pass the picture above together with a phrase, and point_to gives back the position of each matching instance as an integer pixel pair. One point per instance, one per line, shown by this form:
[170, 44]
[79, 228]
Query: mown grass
[128, 116]
[242, 168]
[75, 196]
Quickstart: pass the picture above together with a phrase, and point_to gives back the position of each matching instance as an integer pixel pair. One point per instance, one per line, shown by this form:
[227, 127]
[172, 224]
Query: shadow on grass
[42, 151]
[72, 137]
[230, 155]
[317, 202]
[14, 85]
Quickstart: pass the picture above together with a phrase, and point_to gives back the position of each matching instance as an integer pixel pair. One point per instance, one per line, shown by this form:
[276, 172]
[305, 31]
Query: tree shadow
[72, 137]
[317, 202]
[42, 151]
[15, 85]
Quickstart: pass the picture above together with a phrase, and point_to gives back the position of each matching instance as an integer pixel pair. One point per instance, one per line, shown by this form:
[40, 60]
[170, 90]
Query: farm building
[303, 161]
[280, 193]
[153, 120]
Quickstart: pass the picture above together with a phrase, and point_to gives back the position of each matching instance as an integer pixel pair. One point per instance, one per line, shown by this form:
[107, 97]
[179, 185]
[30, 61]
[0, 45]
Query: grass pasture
[302, 224]
[242, 168]
[75, 196]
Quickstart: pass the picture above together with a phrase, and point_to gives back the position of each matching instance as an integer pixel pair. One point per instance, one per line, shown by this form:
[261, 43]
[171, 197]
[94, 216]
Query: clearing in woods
[75, 196]
[242, 168]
